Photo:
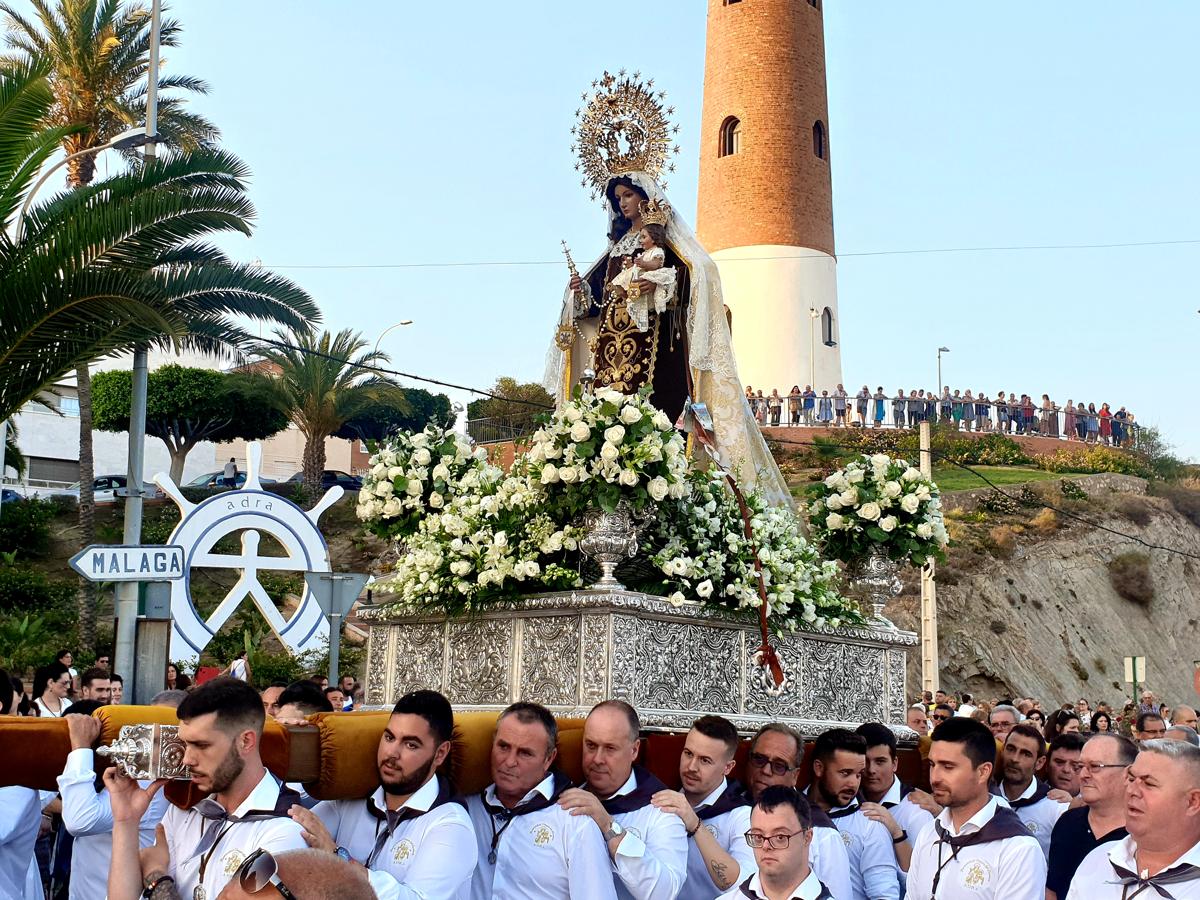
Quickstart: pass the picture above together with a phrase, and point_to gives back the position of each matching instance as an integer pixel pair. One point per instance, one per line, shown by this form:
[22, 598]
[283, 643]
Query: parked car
[8, 495]
[217, 479]
[330, 477]
[105, 488]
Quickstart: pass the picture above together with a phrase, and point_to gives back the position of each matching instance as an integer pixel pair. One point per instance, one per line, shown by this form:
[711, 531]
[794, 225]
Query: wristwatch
[901, 838]
[343, 853]
[614, 831]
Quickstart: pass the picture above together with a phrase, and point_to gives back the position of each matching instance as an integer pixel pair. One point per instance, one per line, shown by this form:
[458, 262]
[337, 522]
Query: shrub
[1047, 521]
[1185, 501]
[36, 615]
[1135, 509]
[1094, 460]
[1002, 541]
[25, 526]
[1072, 490]
[997, 501]
[1131, 578]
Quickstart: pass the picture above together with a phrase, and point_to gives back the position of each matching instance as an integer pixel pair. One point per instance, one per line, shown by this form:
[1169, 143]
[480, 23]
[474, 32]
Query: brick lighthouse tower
[765, 207]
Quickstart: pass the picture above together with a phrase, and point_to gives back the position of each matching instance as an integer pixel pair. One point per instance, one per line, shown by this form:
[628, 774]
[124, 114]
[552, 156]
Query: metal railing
[494, 431]
[973, 416]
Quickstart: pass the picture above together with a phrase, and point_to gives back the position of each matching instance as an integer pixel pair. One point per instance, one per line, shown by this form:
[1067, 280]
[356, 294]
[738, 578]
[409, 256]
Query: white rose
[880, 460]
[849, 497]
[616, 434]
[609, 452]
[888, 523]
[383, 489]
[869, 511]
[628, 477]
[911, 474]
[832, 481]
[630, 415]
[662, 422]
[834, 501]
[379, 470]
[892, 489]
[676, 599]
[422, 457]
[414, 487]
[392, 507]
[658, 488]
[549, 473]
[925, 530]
[393, 471]
[833, 521]
[854, 476]
[580, 432]
[501, 539]
[909, 503]
[572, 414]
[436, 500]
[704, 588]
[440, 471]
[420, 440]
[569, 474]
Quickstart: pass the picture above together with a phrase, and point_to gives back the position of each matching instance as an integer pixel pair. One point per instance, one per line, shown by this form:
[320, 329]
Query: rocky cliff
[1033, 602]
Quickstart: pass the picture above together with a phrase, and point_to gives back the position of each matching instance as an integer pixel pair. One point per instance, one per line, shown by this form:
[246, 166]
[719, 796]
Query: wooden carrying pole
[929, 634]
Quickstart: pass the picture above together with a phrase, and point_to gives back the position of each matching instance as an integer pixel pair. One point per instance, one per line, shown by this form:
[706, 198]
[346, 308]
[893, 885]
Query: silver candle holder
[148, 753]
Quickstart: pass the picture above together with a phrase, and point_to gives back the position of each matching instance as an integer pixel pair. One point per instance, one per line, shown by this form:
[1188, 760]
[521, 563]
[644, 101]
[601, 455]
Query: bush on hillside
[1185, 501]
[1094, 460]
[25, 526]
[1135, 509]
[1131, 578]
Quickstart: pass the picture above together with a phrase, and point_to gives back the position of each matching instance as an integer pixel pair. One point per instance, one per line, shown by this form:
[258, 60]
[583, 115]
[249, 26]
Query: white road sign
[114, 562]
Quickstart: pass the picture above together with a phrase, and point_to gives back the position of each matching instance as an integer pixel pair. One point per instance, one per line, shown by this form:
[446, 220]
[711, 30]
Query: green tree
[515, 405]
[185, 406]
[121, 262]
[96, 55]
[378, 420]
[320, 383]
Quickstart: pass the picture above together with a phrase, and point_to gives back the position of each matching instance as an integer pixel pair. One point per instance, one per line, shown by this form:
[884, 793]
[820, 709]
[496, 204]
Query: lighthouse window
[815, 4]
[820, 144]
[731, 137]
[827, 327]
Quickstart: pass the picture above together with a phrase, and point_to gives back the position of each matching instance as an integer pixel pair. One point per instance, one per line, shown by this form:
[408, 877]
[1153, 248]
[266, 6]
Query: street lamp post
[941, 350]
[383, 333]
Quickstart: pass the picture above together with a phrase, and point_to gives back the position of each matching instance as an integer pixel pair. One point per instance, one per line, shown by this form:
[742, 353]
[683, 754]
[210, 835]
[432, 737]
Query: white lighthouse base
[770, 290]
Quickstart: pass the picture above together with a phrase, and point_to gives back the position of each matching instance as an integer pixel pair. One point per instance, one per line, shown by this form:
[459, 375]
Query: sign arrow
[122, 562]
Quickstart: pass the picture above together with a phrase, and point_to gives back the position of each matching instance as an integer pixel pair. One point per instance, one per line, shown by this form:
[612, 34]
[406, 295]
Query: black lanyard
[211, 850]
[508, 817]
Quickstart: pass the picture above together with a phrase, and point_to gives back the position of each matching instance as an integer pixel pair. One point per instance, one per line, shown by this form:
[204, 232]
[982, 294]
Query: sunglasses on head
[260, 871]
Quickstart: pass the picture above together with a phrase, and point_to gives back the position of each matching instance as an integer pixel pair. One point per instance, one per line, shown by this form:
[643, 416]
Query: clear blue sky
[397, 133]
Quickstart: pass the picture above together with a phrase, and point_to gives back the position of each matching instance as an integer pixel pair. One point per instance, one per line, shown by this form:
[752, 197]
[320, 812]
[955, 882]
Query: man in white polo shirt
[410, 833]
[780, 832]
[200, 849]
[776, 752]
[528, 846]
[839, 760]
[1161, 856]
[1024, 753]
[715, 811]
[975, 849]
[648, 847]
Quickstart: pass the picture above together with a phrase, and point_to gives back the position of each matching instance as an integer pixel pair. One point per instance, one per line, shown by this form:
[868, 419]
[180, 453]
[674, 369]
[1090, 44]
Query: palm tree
[121, 262]
[98, 53]
[320, 382]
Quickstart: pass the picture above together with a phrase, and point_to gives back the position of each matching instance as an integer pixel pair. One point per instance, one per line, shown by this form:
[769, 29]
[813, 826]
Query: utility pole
[127, 593]
[929, 634]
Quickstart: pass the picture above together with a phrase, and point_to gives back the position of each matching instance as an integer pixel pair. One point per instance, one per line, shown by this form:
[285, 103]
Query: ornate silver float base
[570, 651]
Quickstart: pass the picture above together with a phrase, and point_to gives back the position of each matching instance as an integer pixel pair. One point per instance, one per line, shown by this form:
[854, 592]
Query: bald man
[1184, 715]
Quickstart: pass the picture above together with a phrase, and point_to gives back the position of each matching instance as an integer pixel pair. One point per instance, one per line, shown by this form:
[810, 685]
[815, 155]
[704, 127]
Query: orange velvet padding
[33, 751]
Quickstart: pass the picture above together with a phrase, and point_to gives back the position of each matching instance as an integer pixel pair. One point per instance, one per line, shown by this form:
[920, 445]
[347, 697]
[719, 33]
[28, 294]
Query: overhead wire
[934, 454]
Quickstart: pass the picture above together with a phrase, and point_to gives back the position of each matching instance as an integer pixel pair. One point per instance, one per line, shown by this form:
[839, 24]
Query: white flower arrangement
[878, 501]
[701, 550]
[605, 447]
[412, 475]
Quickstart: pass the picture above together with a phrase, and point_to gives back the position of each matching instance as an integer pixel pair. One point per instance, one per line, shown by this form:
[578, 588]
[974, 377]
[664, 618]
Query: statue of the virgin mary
[684, 352]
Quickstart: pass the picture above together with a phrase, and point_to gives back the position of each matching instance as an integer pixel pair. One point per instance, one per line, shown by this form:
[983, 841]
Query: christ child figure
[648, 264]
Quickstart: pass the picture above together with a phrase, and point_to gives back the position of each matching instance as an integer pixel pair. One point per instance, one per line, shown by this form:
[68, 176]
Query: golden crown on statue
[655, 212]
[621, 128]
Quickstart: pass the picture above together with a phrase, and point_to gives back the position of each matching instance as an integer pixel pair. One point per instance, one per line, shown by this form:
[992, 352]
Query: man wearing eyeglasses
[780, 833]
[1079, 831]
[1001, 720]
[941, 712]
[411, 835]
[774, 761]
[1150, 727]
[1160, 857]
[839, 760]
[715, 811]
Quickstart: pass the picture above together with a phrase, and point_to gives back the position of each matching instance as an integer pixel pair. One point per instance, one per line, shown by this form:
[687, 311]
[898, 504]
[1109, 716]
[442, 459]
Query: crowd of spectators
[961, 410]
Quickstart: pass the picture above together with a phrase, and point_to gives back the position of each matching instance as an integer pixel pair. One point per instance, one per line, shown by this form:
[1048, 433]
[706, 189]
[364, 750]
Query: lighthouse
[765, 210]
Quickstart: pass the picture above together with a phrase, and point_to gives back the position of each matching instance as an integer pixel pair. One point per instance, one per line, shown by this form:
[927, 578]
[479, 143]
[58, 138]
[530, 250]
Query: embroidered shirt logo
[231, 861]
[847, 838]
[1032, 826]
[542, 835]
[403, 851]
[976, 874]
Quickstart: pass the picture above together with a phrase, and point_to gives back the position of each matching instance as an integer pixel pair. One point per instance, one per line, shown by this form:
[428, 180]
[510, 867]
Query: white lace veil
[715, 380]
